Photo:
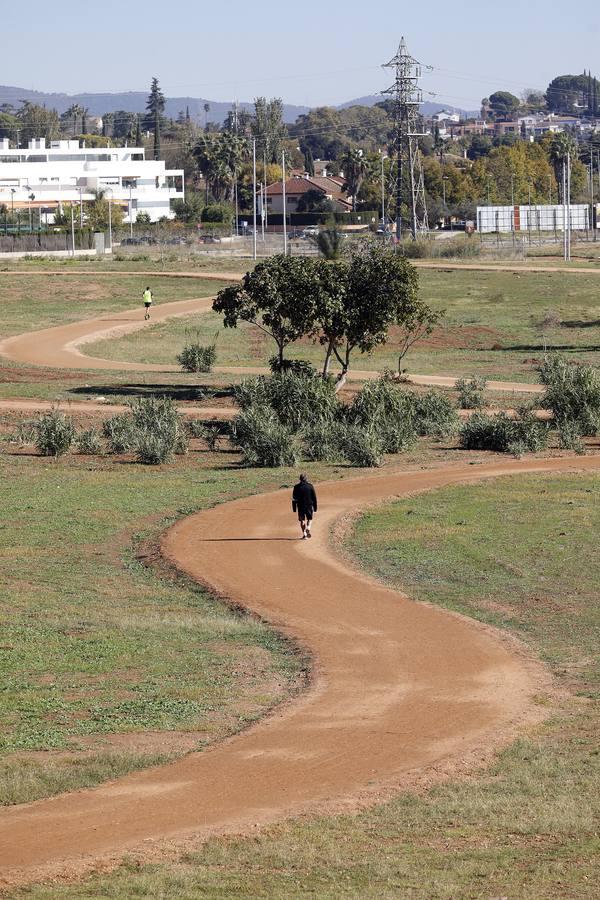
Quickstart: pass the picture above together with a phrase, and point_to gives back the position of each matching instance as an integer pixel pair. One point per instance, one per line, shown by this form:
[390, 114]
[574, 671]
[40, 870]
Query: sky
[308, 54]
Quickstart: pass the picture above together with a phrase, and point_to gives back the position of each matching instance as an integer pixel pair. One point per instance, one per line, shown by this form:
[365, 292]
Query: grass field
[498, 325]
[526, 827]
[125, 651]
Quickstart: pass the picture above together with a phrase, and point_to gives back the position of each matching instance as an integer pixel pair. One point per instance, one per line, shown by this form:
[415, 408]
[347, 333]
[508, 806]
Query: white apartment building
[45, 177]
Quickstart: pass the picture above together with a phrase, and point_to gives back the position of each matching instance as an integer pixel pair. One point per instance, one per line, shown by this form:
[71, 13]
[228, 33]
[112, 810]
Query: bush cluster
[287, 416]
[153, 429]
[471, 392]
[196, 357]
[572, 394]
[524, 434]
[54, 433]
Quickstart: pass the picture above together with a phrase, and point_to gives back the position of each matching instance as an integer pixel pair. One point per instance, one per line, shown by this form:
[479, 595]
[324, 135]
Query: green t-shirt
[147, 296]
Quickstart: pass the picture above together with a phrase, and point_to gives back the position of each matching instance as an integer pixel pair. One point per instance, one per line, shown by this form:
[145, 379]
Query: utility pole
[284, 204]
[254, 199]
[407, 98]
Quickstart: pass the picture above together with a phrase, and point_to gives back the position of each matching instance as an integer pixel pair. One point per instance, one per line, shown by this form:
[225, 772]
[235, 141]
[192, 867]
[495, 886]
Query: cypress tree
[138, 132]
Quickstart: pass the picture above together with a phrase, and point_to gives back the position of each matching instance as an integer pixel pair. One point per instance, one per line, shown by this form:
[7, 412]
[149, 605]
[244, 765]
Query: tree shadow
[552, 348]
[580, 323]
[180, 392]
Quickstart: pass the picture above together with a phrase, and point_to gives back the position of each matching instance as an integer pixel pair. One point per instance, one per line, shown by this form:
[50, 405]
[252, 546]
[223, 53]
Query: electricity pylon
[407, 97]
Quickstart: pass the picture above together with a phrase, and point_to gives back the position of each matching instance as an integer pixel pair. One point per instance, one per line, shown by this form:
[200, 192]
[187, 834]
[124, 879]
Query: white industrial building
[44, 177]
[534, 218]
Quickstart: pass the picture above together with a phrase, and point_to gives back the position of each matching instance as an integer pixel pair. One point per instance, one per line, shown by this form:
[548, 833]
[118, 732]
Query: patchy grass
[499, 324]
[41, 301]
[524, 828]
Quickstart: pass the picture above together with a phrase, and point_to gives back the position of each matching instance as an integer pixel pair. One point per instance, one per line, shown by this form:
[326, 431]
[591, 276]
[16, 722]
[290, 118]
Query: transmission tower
[407, 97]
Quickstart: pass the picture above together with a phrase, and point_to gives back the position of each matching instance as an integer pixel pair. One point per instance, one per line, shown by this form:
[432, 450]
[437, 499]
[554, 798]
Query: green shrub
[88, 442]
[298, 401]
[503, 434]
[471, 392]
[322, 442]
[264, 440]
[384, 408]
[120, 433]
[569, 438]
[152, 448]
[572, 393]
[54, 433]
[197, 358]
[159, 430]
[362, 445]
[435, 415]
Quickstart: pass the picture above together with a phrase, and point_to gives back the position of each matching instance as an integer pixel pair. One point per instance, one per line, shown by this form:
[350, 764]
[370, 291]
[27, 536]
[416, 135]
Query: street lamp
[31, 199]
[13, 191]
[108, 195]
[444, 180]
[512, 190]
[550, 190]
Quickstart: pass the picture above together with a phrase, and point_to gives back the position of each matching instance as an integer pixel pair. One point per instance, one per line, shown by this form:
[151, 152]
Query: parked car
[311, 231]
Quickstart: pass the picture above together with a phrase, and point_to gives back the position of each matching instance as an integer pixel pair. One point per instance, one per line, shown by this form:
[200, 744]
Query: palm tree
[561, 147]
[219, 160]
[330, 242]
[354, 167]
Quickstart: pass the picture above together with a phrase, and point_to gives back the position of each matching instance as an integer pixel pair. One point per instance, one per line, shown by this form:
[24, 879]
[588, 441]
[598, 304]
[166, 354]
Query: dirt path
[401, 691]
[60, 347]
[88, 407]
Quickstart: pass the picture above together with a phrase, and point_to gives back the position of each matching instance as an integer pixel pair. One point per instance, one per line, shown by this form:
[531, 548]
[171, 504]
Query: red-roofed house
[295, 188]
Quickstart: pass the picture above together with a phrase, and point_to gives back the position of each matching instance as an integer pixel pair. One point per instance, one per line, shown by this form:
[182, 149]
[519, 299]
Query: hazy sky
[307, 53]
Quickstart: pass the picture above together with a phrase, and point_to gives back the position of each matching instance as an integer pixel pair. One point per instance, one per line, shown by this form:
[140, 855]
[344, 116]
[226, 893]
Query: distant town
[338, 164]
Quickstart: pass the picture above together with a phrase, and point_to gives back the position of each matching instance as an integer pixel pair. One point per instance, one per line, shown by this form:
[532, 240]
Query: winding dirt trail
[400, 690]
[60, 347]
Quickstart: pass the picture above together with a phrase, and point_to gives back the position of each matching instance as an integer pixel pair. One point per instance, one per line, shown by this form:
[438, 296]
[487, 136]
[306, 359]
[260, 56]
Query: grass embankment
[524, 828]
[95, 644]
[134, 260]
[498, 325]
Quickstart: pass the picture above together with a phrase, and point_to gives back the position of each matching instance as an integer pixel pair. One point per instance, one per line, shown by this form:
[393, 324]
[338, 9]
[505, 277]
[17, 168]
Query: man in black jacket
[304, 502]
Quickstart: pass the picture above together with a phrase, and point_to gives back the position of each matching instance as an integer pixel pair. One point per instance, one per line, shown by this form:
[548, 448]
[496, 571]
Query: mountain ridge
[135, 102]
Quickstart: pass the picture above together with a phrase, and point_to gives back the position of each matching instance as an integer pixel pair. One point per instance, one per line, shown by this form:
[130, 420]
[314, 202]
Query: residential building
[331, 188]
[44, 177]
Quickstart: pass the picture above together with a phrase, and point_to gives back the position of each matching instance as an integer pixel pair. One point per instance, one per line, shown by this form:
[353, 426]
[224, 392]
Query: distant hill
[427, 108]
[135, 102]
[132, 101]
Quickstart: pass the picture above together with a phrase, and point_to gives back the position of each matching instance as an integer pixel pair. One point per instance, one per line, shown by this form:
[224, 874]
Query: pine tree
[155, 106]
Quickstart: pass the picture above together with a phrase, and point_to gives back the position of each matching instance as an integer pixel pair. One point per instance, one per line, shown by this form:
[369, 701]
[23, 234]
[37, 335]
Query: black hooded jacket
[304, 498]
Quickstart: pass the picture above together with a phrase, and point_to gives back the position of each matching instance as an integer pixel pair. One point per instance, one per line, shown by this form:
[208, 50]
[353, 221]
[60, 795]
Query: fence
[41, 241]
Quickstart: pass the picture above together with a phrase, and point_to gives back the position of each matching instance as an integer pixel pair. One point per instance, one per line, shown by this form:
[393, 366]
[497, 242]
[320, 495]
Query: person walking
[304, 502]
[148, 298]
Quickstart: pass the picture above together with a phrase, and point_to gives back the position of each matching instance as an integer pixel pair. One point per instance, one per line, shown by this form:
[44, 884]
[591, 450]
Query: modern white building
[44, 177]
